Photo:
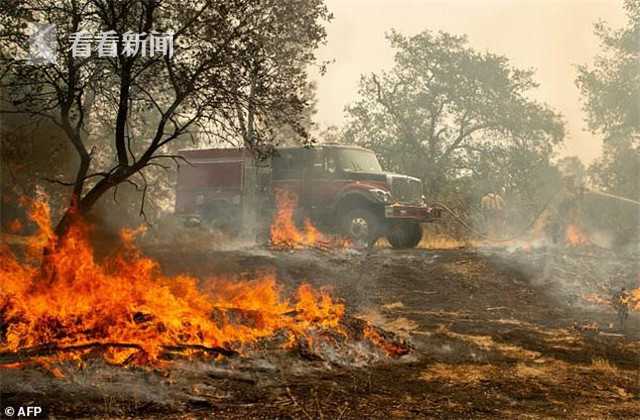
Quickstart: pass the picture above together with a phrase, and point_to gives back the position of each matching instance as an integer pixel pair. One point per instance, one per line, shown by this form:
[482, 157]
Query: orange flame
[77, 302]
[15, 226]
[634, 299]
[285, 234]
[575, 236]
[391, 348]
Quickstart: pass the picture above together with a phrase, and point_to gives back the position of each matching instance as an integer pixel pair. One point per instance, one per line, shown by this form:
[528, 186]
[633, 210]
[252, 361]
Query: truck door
[324, 184]
[288, 172]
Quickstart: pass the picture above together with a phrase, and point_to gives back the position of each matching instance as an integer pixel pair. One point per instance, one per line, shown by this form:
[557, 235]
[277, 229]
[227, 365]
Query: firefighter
[493, 210]
[565, 208]
[620, 302]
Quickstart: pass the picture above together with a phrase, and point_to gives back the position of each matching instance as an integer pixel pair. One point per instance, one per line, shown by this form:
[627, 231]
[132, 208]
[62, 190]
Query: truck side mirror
[317, 169]
[332, 165]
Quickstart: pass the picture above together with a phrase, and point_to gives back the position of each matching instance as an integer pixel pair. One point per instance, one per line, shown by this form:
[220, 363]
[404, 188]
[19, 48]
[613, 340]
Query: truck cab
[341, 188]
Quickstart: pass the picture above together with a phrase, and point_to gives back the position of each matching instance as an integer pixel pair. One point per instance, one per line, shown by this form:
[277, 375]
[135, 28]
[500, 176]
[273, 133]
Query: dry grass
[603, 366]
[462, 373]
[524, 370]
[401, 326]
[441, 241]
[394, 305]
[546, 370]
[487, 343]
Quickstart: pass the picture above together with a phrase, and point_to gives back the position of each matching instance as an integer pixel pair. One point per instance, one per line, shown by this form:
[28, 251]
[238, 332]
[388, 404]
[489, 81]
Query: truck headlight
[381, 195]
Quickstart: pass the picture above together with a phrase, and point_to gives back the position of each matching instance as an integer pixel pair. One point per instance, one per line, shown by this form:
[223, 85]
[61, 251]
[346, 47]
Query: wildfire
[623, 302]
[633, 299]
[575, 236]
[128, 308]
[286, 235]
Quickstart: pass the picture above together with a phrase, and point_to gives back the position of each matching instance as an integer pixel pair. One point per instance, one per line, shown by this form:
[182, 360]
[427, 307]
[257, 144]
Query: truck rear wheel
[404, 235]
[362, 226]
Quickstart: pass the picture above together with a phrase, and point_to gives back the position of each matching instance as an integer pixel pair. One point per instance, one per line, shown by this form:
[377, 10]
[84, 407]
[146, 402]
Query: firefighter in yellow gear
[493, 208]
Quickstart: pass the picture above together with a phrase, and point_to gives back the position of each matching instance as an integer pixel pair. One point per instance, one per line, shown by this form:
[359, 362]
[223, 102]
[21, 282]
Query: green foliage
[611, 98]
[457, 118]
[611, 88]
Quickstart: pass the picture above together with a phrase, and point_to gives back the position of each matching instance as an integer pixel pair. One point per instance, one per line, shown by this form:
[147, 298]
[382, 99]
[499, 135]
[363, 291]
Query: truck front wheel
[404, 235]
[362, 226]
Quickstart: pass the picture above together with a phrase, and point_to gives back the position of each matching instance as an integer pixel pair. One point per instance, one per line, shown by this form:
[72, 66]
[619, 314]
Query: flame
[597, 299]
[391, 348]
[15, 226]
[286, 235]
[628, 298]
[575, 236]
[633, 299]
[127, 306]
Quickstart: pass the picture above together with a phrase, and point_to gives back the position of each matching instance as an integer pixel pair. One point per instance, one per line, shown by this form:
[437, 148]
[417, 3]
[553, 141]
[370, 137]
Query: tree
[611, 88]
[446, 112]
[610, 92]
[572, 166]
[29, 152]
[233, 59]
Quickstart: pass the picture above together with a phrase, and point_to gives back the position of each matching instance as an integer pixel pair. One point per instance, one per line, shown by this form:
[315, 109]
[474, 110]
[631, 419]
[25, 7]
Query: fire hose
[533, 221]
[487, 237]
[615, 197]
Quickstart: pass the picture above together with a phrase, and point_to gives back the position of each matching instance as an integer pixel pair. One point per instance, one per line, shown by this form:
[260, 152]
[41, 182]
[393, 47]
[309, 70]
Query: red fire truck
[341, 188]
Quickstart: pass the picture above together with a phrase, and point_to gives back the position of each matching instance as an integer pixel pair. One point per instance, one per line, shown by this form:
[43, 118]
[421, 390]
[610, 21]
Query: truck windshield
[358, 161]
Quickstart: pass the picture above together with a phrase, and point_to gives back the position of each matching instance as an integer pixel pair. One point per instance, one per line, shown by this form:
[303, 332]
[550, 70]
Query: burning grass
[286, 235]
[576, 236]
[128, 311]
[284, 232]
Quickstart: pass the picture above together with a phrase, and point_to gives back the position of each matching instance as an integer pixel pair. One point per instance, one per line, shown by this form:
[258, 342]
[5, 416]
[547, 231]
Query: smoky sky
[550, 36]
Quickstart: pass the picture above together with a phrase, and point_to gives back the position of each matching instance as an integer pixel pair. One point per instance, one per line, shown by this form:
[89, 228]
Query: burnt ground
[493, 338]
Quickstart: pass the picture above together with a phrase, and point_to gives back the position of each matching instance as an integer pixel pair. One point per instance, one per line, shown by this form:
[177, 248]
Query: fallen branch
[51, 349]
[211, 350]
[231, 375]
[608, 334]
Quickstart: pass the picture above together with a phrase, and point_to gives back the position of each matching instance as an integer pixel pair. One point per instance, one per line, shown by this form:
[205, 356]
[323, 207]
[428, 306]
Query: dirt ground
[492, 340]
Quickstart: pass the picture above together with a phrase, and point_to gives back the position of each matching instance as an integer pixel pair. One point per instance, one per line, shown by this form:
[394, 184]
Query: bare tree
[231, 58]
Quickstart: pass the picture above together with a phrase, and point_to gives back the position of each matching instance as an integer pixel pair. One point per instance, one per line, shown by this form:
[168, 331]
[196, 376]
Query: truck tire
[405, 235]
[362, 226]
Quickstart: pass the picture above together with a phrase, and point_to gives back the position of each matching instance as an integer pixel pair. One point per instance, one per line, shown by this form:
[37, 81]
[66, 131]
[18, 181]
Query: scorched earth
[473, 332]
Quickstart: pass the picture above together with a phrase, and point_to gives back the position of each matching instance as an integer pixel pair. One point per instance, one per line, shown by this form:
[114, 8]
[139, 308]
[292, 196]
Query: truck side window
[317, 164]
[288, 164]
[279, 166]
[331, 164]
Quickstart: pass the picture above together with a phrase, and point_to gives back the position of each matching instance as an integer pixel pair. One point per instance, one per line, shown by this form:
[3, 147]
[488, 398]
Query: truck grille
[406, 190]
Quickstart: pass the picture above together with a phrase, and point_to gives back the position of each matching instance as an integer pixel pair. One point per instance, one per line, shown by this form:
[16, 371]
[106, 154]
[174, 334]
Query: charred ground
[495, 335]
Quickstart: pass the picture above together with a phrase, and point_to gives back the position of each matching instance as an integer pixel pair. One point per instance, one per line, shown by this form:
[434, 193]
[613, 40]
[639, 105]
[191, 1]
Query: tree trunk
[70, 216]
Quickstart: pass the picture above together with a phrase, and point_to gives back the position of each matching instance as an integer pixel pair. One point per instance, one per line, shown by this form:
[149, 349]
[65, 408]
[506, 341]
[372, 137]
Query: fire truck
[341, 188]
